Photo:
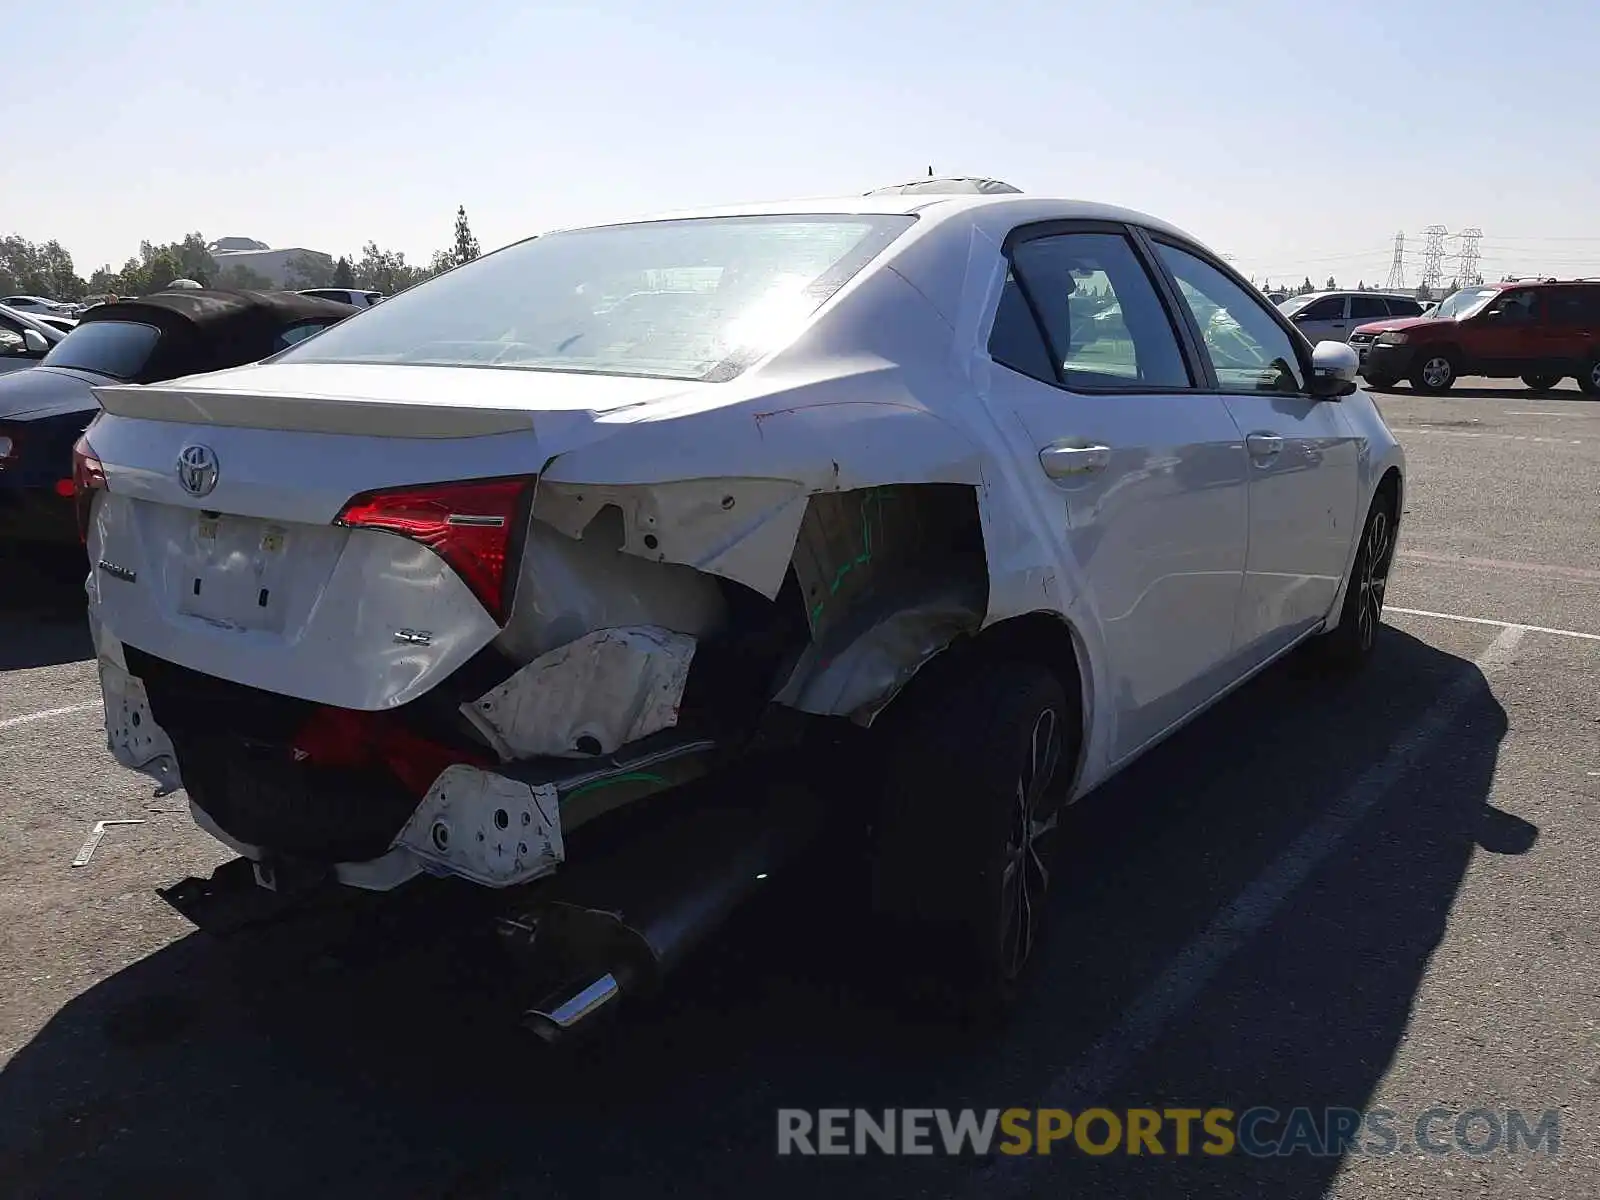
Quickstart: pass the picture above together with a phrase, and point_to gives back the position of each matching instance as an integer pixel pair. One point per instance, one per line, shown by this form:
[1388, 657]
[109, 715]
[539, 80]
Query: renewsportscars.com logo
[1259, 1132]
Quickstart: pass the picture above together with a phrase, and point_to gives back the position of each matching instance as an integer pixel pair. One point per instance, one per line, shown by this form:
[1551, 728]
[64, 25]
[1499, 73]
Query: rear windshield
[120, 349]
[697, 299]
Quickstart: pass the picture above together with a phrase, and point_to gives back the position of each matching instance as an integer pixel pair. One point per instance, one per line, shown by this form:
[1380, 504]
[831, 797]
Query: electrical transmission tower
[1397, 269]
[1469, 256]
[1433, 256]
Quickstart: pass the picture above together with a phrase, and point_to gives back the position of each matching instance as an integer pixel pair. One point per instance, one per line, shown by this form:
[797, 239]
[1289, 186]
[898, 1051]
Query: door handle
[1263, 447]
[1062, 460]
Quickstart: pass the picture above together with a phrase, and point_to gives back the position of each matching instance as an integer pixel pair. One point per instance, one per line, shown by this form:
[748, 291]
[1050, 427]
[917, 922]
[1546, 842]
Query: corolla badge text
[197, 469]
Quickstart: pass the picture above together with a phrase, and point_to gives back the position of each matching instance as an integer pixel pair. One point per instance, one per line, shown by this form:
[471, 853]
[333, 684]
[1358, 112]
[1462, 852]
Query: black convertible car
[44, 409]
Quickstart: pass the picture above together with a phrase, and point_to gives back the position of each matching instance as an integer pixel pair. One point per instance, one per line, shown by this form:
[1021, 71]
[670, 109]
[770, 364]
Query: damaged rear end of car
[413, 599]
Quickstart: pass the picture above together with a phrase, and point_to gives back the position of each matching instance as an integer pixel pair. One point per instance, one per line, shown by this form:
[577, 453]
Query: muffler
[615, 922]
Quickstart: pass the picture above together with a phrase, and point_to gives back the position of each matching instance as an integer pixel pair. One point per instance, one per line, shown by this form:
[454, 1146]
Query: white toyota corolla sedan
[1004, 488]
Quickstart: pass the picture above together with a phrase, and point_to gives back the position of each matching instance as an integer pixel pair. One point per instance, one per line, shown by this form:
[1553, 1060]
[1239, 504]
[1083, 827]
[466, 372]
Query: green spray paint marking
[630, 777]
[873, 499]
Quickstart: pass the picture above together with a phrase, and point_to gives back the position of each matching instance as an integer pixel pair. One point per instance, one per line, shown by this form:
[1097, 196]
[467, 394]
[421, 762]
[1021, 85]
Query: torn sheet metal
[588, 697]
[486, 828]
[571, 585]
[863, 543]
[132, 735]
[740, 529]
[870, 658]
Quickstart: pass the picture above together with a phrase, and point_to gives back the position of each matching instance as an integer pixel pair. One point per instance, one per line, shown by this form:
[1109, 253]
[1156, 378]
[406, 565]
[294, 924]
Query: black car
[43, 410]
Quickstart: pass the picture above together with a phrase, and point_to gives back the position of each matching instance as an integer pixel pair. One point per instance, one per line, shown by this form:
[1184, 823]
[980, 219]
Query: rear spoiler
[310, 414]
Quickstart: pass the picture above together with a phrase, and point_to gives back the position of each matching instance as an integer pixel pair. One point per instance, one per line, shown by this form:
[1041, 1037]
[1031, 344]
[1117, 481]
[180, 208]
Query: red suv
[1539, 330]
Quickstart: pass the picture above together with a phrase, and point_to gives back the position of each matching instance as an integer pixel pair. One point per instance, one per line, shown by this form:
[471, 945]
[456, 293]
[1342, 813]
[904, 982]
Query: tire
[1380, 383]
[976, 766]
[1349, 647]
[1541, 383]
[1589, 378]
[1435, 372]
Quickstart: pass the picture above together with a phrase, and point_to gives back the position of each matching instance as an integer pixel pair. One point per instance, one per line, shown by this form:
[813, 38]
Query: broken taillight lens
[472, 526]
[88, 477]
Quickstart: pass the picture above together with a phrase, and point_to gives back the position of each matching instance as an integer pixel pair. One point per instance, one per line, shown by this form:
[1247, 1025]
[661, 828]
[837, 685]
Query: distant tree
[385, 271]
[466, 248]
[1307, 288]
[1331, 285]
[441, 262]
[343, 276]
[43, 268]
[1424, 293]
[1361, 285]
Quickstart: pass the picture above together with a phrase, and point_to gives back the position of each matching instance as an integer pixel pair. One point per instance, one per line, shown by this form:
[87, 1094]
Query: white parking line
[46, 715]
[1089, 1079]
[1422, 612]
[1549, 570]
[1504, 437]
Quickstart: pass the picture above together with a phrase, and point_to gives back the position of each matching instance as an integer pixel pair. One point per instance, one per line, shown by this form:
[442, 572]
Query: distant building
[260, 259]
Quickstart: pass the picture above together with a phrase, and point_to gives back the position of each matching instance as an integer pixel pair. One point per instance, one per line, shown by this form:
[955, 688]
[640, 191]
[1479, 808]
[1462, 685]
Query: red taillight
[88, 477]
[472, 526]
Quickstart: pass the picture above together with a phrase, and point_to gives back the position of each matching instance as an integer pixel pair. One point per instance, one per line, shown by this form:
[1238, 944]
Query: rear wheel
[1351, 644]
[977, 764]
[1541, 383]
[1435, 371]
[1589, 377]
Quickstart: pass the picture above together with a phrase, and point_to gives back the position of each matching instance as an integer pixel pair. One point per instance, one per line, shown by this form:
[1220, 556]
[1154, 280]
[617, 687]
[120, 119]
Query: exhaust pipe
[615, 924]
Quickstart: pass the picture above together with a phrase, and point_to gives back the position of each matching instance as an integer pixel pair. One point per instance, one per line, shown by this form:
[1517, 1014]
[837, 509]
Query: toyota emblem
[197, 469]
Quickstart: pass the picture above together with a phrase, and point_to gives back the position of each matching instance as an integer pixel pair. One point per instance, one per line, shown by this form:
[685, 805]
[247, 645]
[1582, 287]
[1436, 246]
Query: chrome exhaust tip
[554, 1022]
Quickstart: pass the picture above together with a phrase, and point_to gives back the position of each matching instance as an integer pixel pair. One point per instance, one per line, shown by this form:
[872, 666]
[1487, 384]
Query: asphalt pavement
[1376, 895]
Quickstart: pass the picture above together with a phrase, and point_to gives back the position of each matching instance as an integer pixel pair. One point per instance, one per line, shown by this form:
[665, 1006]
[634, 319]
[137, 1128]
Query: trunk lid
[215, 546]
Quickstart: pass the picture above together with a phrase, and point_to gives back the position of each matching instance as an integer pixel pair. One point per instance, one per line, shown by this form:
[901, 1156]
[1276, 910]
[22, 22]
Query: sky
[1296, 138]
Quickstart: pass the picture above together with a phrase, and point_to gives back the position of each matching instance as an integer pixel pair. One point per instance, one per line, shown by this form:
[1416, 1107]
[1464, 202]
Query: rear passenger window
[1368, 308]
[1399, 307]
[1103, 324]
[1015, 340]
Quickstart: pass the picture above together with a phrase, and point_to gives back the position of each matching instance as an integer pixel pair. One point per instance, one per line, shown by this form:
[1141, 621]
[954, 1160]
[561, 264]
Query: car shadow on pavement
[41, 608]
[1511, 392]
[374, 1053]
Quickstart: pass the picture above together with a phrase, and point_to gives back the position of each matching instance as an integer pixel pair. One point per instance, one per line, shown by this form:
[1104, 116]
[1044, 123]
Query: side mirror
[35, 342]
[1333, 370]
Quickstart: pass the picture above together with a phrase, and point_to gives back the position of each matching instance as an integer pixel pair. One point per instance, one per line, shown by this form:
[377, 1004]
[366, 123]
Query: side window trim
[1189, 347]
[1302, 348]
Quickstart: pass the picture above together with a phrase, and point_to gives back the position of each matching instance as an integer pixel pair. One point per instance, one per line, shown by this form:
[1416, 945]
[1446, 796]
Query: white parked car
[1333, 316]
[357, 296]
[600, 511]
[37, 306]
[25, 339]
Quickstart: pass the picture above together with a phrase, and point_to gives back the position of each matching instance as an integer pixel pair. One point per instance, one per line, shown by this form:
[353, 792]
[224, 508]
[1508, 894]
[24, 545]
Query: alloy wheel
[1594, 375]
[1437, 371]
[1025, 878]
[1374, 578]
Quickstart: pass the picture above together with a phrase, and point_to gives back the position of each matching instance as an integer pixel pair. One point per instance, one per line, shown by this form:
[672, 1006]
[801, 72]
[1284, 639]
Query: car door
[1303, 454]
[1566, 337]
[1142, 471]
[1503, 339]
[1324, 320]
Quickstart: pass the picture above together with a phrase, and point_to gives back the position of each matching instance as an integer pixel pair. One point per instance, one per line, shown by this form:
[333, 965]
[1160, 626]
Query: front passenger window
[1249, 351]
